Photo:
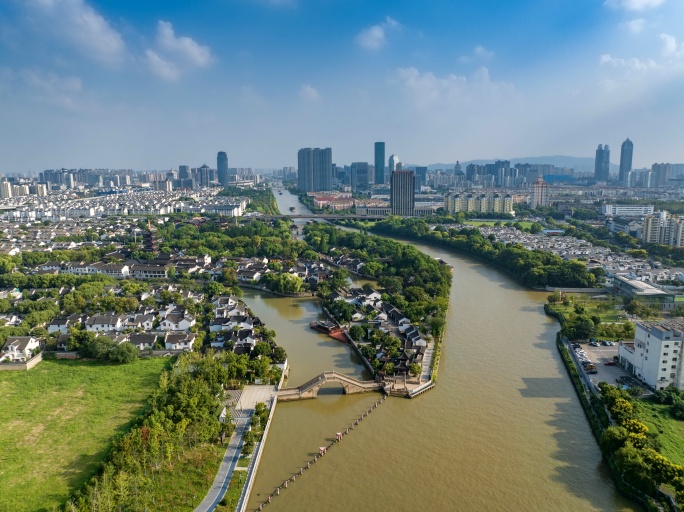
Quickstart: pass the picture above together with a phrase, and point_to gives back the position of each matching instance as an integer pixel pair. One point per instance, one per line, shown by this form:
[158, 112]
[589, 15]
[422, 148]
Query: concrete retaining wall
[22, 366]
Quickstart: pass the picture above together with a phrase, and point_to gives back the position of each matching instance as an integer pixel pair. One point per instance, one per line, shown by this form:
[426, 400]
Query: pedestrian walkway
[243, 410]
[427, 361]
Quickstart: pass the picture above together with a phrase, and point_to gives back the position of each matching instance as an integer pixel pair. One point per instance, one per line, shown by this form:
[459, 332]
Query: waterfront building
[627, 210]
[626, 152]
[655, 355]
[540, 193]
[481, 203]
[314, 171]
[379, 163]
[402, 193]
[602, 163]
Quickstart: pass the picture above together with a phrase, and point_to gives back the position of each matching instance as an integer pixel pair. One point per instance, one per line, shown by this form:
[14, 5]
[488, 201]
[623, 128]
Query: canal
[502, 430]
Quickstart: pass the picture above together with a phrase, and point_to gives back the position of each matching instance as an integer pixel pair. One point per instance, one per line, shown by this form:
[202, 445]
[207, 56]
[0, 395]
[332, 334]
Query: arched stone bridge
[310, 389]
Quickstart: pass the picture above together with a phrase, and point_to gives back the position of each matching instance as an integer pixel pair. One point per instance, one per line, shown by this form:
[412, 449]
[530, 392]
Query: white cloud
[633, 64]
[174, 55]
[634, 5]
[184, 47]
[310, 93]
[81, 26]
[375, 37]
[53, 89]
[162, 68]
[635, 26]
[429, 90]
[483, 53]
[671, 48]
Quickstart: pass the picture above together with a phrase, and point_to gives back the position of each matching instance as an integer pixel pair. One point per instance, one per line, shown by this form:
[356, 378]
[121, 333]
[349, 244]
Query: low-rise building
[655, 355]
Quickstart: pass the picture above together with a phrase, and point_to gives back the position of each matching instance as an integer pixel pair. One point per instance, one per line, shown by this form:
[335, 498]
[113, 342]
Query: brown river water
[502, 430]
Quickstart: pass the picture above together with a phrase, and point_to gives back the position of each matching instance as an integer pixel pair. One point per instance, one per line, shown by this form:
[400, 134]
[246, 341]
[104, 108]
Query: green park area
[669, 431]
[58, 421]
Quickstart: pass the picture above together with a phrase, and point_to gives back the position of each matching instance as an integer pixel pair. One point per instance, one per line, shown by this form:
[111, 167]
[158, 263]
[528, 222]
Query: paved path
[251, 395]
[427, 360]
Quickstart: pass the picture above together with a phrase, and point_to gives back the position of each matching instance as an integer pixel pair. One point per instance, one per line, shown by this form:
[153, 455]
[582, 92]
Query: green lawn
[230, 499]
[670, 431]
[58, 421]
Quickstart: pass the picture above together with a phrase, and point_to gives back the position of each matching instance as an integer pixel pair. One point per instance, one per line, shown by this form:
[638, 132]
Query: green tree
[415, 369]
[123, 353]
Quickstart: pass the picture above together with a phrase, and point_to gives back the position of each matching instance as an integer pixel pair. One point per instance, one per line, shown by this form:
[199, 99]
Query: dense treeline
[534, 268]
[256, 238]
[182, 413]
[415, 283]
[634, 448]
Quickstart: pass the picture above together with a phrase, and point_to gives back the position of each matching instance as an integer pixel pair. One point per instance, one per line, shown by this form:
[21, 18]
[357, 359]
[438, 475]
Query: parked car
[586, 363]
[610, 362]
[594, 343]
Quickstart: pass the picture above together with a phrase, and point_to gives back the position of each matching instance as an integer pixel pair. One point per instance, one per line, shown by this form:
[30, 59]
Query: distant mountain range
[579, 163]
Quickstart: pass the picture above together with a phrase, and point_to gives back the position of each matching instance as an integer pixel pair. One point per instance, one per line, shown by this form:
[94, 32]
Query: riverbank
[597, 418]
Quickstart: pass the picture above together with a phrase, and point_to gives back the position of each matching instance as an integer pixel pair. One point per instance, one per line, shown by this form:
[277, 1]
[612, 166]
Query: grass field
[58, 421]
[670, 431]
[230, 499]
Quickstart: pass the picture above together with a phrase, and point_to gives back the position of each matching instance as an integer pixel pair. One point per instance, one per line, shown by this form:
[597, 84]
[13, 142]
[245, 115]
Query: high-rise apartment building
[602, 163]
[359, 176]
[661, 174]
[402, 193]
[222, 168]
[540, 193]
[379, 163]
[626, 153]
[5, 190]
[663, 228]
[481, 203]
[314, 171]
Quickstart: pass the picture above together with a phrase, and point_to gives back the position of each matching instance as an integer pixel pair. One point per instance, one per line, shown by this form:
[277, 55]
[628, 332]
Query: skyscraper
[602, 163]
[359, 176]
[402, 193]
[222, 168]
[626, 152]
[314, 171]
[379, 163]
[661, 174]
[392, 164]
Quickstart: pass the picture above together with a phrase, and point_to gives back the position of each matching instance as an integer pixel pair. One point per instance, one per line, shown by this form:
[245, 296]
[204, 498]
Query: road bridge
[310, 388]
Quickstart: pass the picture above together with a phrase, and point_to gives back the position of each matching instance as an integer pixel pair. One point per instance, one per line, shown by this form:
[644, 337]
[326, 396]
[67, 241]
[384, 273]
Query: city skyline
[94, 83]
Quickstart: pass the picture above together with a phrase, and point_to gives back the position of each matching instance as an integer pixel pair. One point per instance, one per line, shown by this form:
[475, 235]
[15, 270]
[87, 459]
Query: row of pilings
[323, 450]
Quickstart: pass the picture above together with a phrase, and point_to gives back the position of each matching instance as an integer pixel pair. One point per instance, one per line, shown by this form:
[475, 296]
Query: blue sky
[159, 83]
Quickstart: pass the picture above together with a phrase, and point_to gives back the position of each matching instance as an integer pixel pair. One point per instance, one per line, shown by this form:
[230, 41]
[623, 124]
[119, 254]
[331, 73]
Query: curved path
[251, 395]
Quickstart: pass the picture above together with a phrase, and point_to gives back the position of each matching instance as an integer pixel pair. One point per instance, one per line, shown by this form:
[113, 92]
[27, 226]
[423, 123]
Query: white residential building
[655, 356]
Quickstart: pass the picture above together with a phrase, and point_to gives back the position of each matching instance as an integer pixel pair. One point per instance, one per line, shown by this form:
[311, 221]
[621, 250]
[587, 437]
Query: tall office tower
[626, 152]
[359, 176]
[203, 175]
[222, 168]
[457, 168]
[5, 190]
[421, 172]
[392, 164]
[402, 193]
[602, 163]
[314, 171]
[379, 163]
[540, 193]
[183, 172]
[661, 174]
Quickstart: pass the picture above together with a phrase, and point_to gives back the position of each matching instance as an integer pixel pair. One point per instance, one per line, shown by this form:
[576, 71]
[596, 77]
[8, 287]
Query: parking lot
[599, 355]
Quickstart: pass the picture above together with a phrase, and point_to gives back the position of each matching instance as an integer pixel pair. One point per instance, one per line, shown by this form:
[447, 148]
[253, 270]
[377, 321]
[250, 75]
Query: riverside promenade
[242, 415]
